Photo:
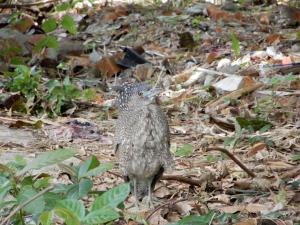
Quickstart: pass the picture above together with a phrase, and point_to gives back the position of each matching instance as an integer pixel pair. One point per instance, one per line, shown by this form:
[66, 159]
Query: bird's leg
[135, 193]
[149, 200]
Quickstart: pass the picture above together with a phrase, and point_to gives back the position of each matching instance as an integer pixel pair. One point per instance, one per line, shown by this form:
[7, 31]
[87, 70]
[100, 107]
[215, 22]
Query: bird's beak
[151, 94]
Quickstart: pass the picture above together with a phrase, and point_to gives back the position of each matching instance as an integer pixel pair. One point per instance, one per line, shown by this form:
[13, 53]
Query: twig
[216, 72]
[19, 6]
[161, 206]
[231, 156]
[222, 102]
[21, 206]
[186, 180]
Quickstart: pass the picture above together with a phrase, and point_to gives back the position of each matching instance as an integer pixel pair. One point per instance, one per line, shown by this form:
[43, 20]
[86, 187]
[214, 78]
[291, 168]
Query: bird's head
[135, 95]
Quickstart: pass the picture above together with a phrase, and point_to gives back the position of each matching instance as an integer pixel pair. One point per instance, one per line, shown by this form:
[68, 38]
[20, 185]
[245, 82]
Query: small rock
[199, 9]
[231, 83]
[197, 76]
[226, 66]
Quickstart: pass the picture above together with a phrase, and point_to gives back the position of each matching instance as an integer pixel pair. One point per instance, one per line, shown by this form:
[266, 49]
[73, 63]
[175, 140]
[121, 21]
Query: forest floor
[230, 79]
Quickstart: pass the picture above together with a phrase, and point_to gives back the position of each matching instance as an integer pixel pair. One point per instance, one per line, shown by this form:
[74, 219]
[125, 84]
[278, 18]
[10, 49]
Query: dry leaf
[24, 24]
[108, 67]
[256, 148]
[274, 38]
[210, 57]
[157, 218]
[247, 222]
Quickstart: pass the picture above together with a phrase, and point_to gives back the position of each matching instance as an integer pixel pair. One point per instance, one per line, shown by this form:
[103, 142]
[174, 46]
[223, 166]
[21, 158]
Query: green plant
[25, 80]
[21, 193]
[235, 45]
[59, 94]
[196, 21]
[185, 150]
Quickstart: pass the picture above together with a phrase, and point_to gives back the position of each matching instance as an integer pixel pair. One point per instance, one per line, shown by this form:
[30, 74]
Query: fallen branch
[19, 6]
[222, 102]
[188, 180]
[161, 206]
[231, 156]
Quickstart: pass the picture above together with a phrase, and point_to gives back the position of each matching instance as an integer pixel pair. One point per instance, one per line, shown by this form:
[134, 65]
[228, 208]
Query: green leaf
[235, 44]
[67, 215]
[77, 191]
[88, 165]
[46, 218]
[51, 199]
[112, 197]
[46, 42]
[101, 216]
[49, 25]
[51, 84]
[89, 94]
[63, 6]
[73, 205]
[100, 169]
[7, 204]
[296, 157]
[42, 182]
[196, 220]
[49, 158]
[27, 193]
[185, 150]
[68, 24]
[253, 123]
[4, 189]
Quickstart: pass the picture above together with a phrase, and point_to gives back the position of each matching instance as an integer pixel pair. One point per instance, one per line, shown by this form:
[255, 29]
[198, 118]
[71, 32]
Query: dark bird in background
[142, 139]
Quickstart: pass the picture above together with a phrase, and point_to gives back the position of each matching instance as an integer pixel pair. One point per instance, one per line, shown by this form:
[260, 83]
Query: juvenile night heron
[142, 139]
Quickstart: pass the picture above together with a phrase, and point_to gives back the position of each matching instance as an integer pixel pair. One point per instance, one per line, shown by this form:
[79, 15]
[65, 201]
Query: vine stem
[21, 206]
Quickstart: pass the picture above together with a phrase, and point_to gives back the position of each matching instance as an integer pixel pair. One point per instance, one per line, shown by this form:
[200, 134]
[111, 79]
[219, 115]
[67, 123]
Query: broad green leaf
[49, 158]
[69, 24]
[46, 218]
[67, 215]
[4, 189]
[7, 204]
[112, 197]
[51, 84]
[101, 216]
[89, 94]
[51, 200]
[73, 205]
[235, 44]
[27, 193]
[296, 157]
[196, 220]
[253, 123]
[100, 169]
[42, 183]
[88, 165]
[77, 191]
[49, 25]
[63, 6]
[46, 42]
[185, 150]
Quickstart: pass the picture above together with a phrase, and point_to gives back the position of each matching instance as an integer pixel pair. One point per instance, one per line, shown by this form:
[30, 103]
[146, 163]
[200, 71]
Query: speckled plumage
[142, 138]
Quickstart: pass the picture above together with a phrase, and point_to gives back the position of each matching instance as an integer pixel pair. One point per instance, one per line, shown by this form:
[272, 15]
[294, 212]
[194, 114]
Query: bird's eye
[140, 93]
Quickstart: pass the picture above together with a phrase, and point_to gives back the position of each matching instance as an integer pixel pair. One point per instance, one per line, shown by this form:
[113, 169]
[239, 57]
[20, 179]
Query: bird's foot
[151, 203]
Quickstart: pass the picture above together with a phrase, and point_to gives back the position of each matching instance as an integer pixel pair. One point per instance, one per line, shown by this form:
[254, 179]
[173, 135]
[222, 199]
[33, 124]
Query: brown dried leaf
[24, 24]
[256, 148]
[247, 222]
[108, 67]
[274, 38]
[210, 57]
[157, 218]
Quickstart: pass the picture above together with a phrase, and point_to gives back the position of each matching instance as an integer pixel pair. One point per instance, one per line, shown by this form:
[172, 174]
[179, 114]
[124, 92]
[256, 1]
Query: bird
[142, 138]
